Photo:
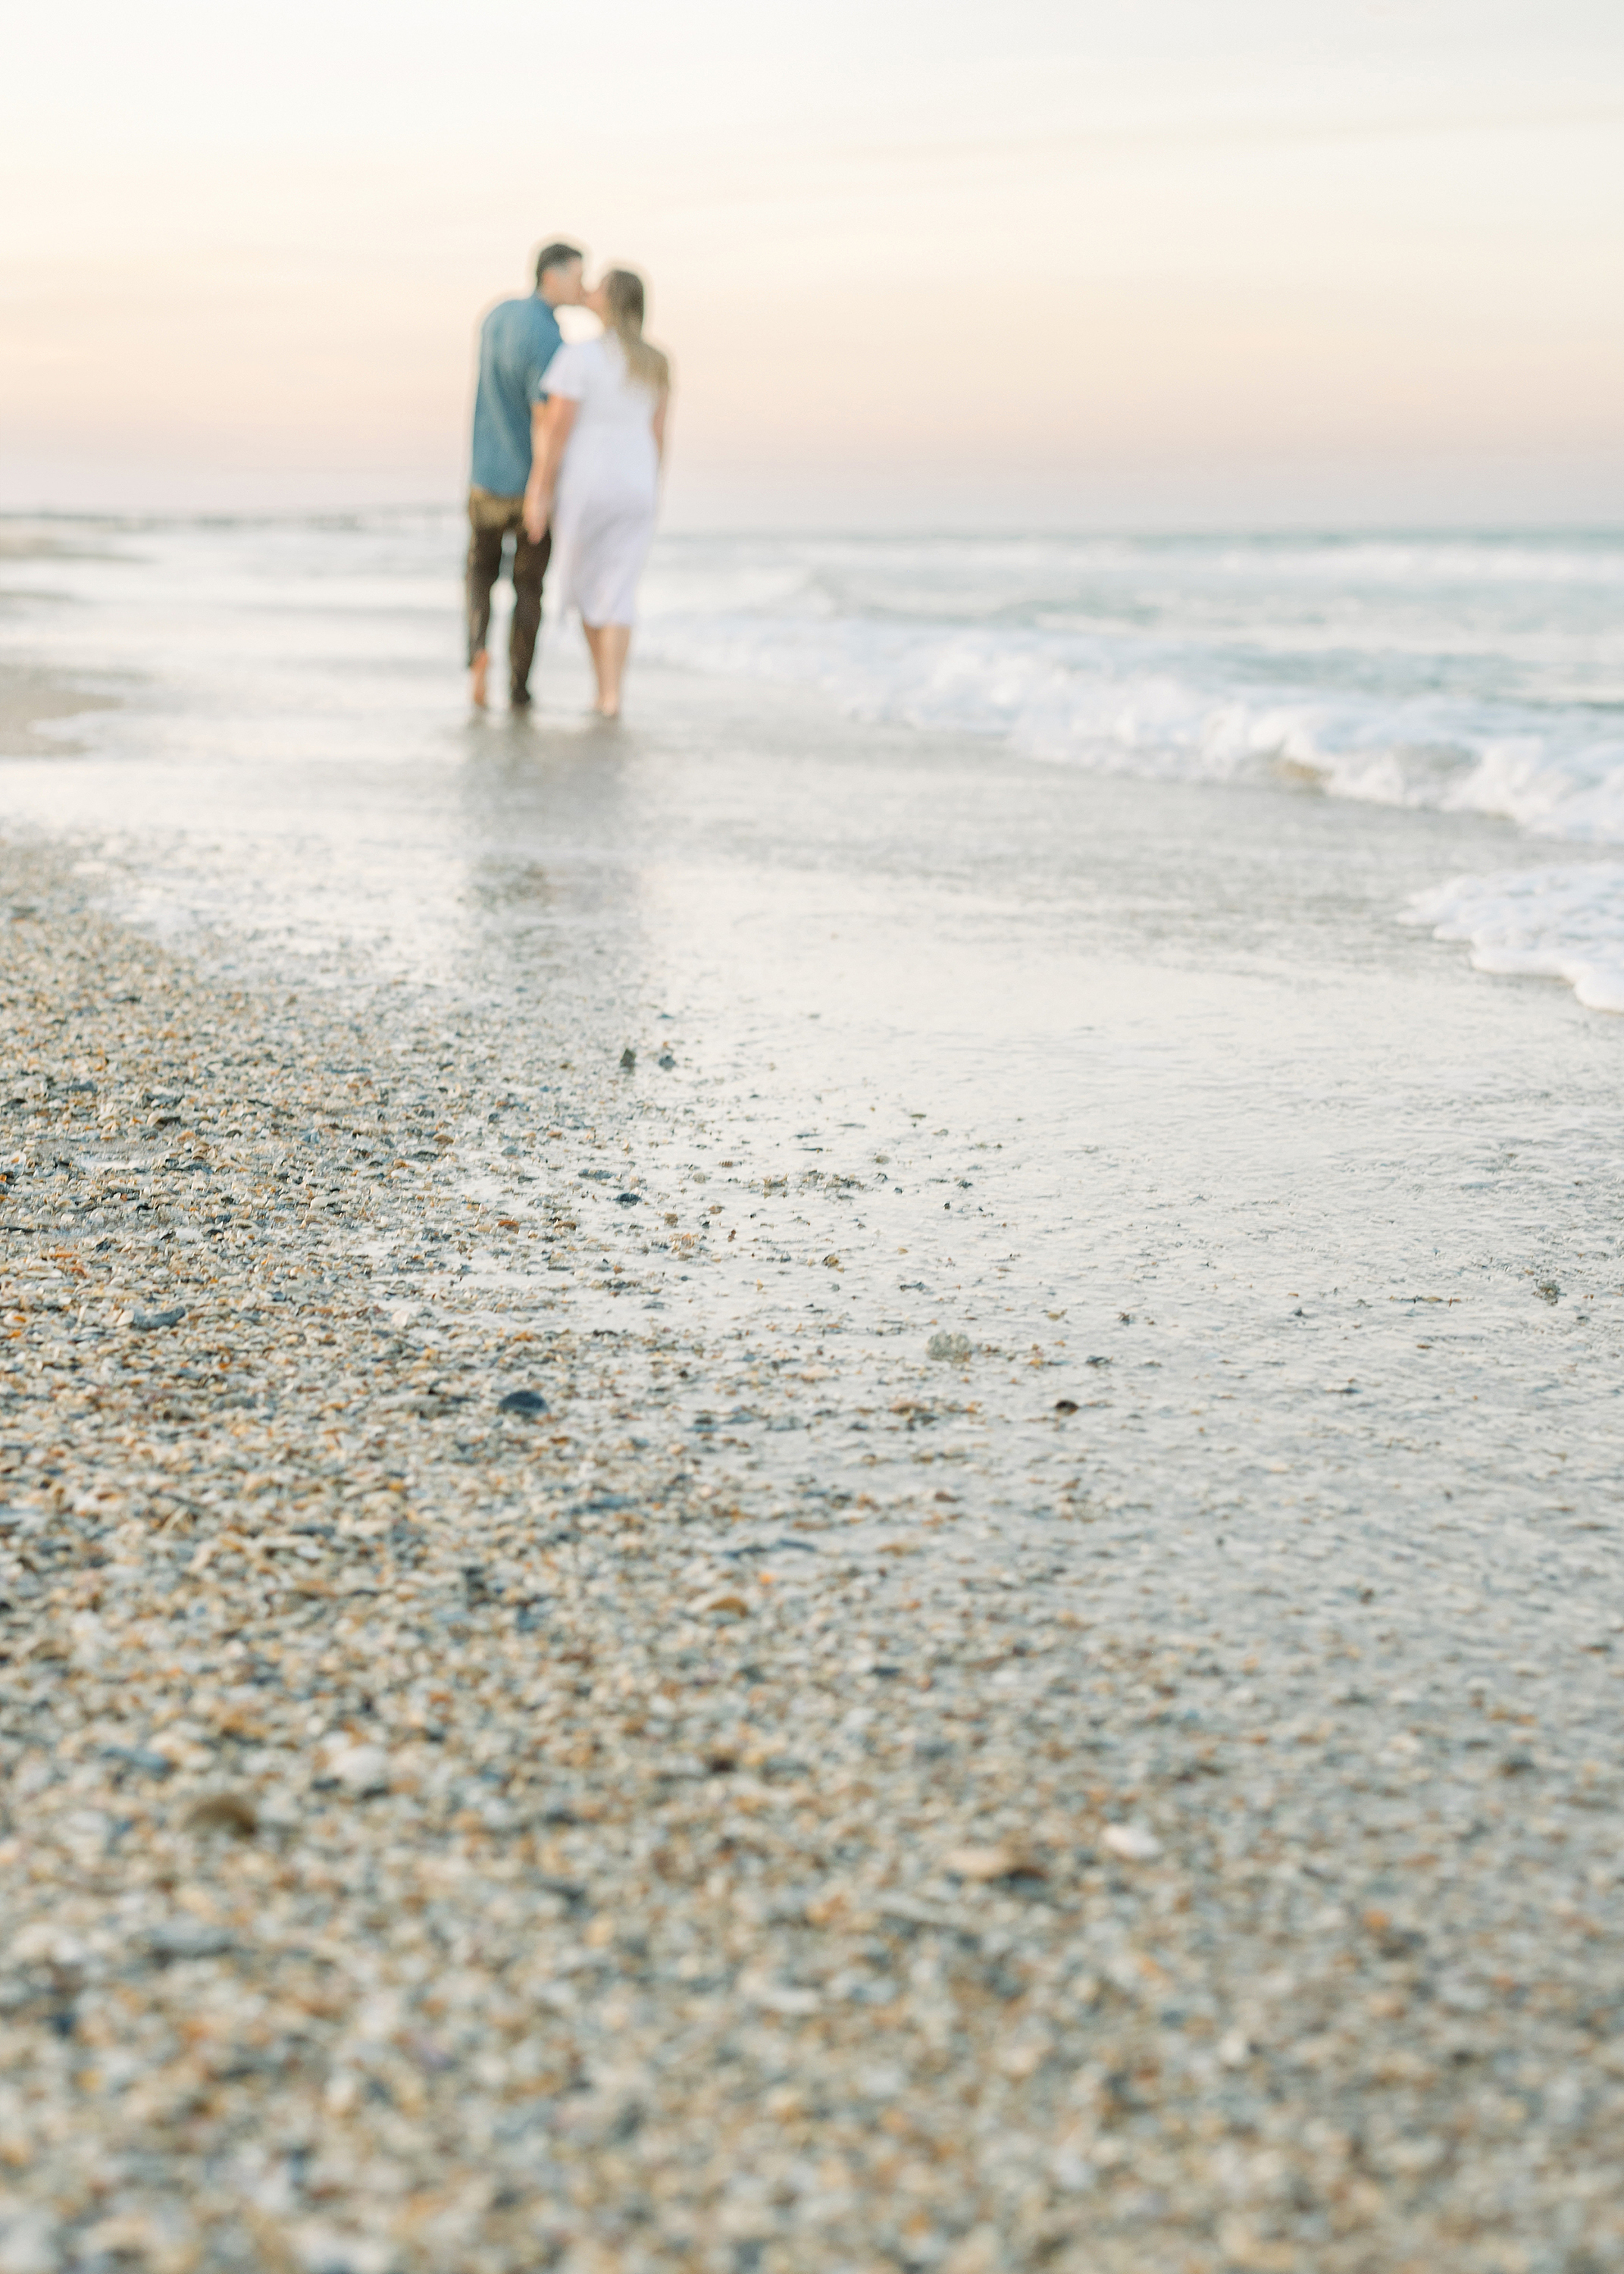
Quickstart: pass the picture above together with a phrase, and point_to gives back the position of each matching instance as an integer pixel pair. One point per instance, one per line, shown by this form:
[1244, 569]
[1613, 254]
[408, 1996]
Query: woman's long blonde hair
[644, 362]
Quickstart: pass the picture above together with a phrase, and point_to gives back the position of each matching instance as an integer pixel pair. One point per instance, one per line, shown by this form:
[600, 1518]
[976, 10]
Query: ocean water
[1477, 674]
[1463, 675]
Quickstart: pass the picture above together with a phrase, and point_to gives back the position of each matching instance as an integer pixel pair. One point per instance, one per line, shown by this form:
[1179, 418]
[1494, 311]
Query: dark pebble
[522, 1401]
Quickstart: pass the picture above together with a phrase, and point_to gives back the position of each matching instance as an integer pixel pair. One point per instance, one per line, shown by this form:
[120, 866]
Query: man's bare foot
[478, 671]
[608, 709]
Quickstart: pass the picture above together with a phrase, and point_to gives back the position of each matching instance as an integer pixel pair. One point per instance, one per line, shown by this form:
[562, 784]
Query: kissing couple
[568, 442]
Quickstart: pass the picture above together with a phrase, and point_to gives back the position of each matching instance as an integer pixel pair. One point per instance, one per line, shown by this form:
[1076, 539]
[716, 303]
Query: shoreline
[445, 1834]
[31, 699]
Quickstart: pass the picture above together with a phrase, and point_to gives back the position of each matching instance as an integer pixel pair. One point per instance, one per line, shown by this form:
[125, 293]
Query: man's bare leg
[478, 671]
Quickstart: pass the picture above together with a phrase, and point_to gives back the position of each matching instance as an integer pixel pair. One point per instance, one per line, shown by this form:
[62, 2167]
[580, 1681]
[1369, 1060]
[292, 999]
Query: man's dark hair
[555, 256]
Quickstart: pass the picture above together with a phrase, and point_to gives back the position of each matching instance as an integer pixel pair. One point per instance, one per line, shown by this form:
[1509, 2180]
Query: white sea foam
[1463, 675]
[1466, 675]
[1092, 709]
[1549, 923]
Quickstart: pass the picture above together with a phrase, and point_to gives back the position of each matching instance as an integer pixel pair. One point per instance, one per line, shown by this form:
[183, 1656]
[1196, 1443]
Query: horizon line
[960, 534]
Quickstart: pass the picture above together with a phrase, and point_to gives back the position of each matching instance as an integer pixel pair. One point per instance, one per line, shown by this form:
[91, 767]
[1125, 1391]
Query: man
[517, 341]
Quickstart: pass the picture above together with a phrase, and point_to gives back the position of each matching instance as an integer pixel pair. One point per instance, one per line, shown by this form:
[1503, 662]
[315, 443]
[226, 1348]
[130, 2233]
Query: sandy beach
[774, 1499]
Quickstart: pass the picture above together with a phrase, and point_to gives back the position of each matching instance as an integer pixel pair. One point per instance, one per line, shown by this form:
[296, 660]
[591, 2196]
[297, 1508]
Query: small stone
[1072, 2170]
[141, 1757]
[319, 2249]
[1135, 1843]
[522, 1401]
[786, 1998]
[225, 1811]
[1066, 1405]
[187, 1938]
[1007, 1861]
[832, 1263]
[426, 1404]
[361, 1770]
[1131, 1840]
[666, 1060]
[628, 1059]
[722, 1606]
[954, 1349]
[1023, 2058]
[146, 1323]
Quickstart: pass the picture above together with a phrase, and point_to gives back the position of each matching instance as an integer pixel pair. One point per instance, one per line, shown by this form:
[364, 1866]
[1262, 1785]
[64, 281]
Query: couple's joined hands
[537, 512]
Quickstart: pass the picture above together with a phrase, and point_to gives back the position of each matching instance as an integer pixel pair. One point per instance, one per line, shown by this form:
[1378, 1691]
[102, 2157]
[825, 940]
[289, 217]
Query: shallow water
[1481, 675]
[1135, 1079]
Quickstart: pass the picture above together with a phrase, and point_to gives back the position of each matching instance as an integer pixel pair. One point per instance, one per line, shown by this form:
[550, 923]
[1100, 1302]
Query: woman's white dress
[603, 513]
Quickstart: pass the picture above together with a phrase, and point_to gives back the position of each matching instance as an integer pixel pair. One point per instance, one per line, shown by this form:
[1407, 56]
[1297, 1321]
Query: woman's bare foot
[479, 670]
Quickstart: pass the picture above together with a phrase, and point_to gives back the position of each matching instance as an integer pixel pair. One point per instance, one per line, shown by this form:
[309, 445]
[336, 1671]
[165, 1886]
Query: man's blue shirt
[517, 341]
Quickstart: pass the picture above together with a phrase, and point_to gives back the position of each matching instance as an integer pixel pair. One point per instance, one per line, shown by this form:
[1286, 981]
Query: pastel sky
[939, 263]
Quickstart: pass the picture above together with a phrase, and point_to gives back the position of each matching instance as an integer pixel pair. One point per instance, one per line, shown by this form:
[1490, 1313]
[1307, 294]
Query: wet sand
[1140, 1791]
[30, 700]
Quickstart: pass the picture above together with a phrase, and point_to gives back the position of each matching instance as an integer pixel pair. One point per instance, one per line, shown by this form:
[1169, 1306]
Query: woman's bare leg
[592, 637]
[609, 644]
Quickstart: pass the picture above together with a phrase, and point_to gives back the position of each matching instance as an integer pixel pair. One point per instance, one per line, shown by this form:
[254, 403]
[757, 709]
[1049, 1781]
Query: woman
[596, 476]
